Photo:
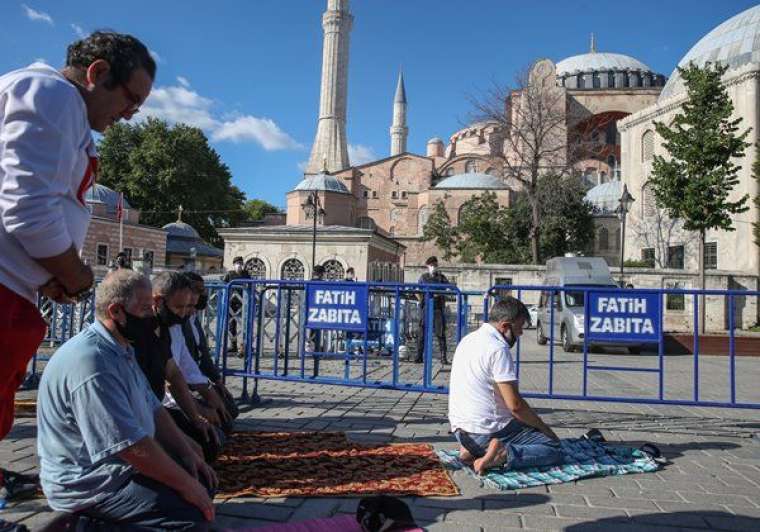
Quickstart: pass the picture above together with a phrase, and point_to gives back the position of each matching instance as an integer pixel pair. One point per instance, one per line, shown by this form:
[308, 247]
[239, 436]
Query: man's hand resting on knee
[521, 410]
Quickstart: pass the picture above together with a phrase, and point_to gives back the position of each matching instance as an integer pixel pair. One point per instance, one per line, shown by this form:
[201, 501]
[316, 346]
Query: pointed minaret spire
[330, 141]
[399, 131]
[593, 44]
[179, 213]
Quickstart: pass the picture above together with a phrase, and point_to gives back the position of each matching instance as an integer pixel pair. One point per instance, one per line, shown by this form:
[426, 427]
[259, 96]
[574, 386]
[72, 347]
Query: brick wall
[136, 237]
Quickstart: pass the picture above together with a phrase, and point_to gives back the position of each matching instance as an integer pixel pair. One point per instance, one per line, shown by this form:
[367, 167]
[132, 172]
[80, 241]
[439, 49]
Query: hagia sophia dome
[735, 42]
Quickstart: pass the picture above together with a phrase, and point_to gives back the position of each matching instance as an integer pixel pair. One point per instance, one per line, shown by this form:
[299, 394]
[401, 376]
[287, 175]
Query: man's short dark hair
[350, 270]
[508, 309]
[237, 259]
[166, 284]
[431, 261]
[123, 52]
[194, 278]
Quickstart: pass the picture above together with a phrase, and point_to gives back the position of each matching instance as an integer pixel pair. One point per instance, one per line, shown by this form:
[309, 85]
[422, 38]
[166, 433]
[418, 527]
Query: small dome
[182, 230]
[435, 140]
[736, 42]
[599, 61]
[324, 182]
[472, 181]
[105, 195]
[605, 198]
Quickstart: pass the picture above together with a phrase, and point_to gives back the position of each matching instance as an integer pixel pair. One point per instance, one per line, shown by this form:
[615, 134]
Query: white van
[569, 316]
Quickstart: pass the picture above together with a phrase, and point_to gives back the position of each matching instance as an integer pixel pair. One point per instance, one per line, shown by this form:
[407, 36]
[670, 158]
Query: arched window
[365, 222]
[648, 201]
[292, 270]
[460, 213]
[470, 167]
[422, 218]
[604, 239]
[256, 268]
[647, 146]
[334, 270]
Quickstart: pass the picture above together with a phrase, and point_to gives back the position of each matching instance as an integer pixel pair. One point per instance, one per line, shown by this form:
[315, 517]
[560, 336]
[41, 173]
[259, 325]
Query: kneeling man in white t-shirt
[492, 422]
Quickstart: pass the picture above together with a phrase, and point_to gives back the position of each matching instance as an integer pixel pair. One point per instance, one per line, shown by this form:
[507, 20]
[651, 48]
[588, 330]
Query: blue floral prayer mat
[583, 459]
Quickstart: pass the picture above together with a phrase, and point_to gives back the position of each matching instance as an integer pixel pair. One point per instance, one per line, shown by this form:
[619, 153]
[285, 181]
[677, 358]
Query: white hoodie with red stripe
[47, 164]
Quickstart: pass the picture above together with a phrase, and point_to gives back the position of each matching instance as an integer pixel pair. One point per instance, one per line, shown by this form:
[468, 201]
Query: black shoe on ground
[594, 435]
[15, 486]
[417, 361]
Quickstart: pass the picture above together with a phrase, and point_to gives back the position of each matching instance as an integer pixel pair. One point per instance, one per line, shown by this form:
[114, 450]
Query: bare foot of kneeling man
[496, 455]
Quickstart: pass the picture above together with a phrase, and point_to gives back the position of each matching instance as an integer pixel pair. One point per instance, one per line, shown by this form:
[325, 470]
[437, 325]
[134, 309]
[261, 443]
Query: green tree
[496, 234]
[256, 209]
[159, 168]
[438, 228]
[703, 141]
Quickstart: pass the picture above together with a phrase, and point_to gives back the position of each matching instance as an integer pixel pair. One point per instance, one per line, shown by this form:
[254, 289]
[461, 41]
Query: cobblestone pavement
[711, 483]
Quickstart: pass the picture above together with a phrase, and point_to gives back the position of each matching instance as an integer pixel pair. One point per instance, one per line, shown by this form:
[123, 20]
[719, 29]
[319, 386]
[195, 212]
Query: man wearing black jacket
[236, 299]
[433, 276]
[197, 343]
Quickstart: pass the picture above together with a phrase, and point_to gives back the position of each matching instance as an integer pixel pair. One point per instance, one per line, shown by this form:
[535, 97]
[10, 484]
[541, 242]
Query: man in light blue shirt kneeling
[107, 449]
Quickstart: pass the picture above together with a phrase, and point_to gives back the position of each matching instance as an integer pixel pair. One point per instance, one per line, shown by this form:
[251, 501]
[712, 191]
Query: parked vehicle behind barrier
[569, 311]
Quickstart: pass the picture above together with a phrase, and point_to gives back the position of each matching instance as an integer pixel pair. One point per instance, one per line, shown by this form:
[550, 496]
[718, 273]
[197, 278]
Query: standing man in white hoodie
[47, 164]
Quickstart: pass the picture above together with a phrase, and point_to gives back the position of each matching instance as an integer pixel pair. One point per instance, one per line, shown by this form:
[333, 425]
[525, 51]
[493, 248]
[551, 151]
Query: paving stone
[626, 504]
[693, 519]
[567, 510]
[450, 503]
[544, 522]
[629, 492]
[483, 519]
[710, 498]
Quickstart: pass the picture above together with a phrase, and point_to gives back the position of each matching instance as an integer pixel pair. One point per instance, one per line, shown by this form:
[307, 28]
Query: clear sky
[247, 71]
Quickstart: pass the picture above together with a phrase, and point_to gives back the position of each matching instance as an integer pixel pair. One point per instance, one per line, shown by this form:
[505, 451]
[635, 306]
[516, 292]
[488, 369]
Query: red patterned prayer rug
[326, 464]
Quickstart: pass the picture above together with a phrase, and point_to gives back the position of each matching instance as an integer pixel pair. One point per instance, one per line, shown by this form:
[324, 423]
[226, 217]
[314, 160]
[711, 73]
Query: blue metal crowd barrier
[276, 311]
[548, 301]
[275, 344]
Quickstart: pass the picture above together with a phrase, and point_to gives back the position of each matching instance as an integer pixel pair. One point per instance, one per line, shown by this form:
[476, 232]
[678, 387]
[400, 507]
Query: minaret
[593, 44]
[330, 142]
[399, 131]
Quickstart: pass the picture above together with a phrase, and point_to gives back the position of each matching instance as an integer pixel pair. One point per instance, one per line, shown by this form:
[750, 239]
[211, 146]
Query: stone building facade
[284, 252]
[735, 43]
[102, 241]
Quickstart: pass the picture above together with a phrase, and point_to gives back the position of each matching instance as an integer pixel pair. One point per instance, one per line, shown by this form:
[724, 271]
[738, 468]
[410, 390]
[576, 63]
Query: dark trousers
[229, 401]
[210, 448]
[439, 331]
[143, 504]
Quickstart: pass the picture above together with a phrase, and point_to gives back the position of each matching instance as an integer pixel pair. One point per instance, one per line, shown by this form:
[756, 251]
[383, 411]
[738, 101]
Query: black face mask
[168, 317]
[510, 338]
[135, 328]
[202, 302]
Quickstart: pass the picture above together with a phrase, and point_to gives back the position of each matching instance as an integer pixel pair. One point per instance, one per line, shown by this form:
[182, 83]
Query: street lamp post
[313, 209]
[626, 200]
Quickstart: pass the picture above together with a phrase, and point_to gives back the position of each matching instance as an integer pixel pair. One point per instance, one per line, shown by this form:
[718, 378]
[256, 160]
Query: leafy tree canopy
[159, 168]
[695, 183]
[256, 209]
[496, 234]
